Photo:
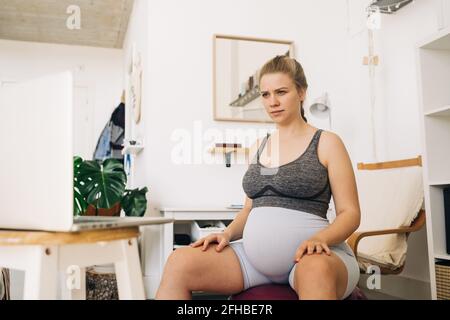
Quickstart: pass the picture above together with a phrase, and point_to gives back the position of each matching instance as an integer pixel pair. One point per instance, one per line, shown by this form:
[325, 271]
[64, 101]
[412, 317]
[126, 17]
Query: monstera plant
[100, 187]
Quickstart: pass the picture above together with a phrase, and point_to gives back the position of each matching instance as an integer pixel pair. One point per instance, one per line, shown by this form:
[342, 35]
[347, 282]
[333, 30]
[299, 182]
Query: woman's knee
[181, 263]
[314, 267]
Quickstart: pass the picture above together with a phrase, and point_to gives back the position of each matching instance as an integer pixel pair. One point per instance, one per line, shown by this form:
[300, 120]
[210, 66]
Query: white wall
[396, 88]
[330, 42]
[396, 92]
[399, 134]
[180, 85]
[98, 70]
[137, 37]
[397, 40]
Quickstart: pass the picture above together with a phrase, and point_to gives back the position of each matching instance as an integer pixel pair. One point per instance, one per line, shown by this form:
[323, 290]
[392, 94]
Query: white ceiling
[103, 22]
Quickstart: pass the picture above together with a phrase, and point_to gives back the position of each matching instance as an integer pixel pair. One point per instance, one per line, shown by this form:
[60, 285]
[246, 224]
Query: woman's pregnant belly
[272, 235]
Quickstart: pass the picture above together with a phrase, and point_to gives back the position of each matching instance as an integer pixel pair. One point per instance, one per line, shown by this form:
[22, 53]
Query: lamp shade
[321, 108]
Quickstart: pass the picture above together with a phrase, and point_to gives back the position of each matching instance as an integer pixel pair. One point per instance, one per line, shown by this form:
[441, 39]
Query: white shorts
[271, 237]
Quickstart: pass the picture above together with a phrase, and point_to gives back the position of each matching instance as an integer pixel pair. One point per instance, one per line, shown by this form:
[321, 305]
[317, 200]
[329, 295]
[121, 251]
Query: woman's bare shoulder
[330, 138]
[330, 145]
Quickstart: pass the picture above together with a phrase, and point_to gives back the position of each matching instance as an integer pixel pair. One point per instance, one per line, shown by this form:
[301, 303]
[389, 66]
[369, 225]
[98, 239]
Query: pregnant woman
[282, 235]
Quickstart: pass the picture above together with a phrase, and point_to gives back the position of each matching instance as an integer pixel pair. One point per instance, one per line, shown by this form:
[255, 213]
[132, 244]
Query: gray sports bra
[301, 184]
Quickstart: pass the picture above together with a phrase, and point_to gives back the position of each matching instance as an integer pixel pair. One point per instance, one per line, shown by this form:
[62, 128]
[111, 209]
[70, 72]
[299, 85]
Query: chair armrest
[354, 239]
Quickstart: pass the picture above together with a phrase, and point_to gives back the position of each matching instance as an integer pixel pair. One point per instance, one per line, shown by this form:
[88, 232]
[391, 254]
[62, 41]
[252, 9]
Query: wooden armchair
[416, 224]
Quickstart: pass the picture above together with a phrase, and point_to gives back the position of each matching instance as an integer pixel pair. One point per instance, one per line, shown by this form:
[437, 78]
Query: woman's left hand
[311, 246]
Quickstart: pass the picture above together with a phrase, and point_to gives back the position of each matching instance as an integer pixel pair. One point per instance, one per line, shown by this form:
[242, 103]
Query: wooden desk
[43, 255]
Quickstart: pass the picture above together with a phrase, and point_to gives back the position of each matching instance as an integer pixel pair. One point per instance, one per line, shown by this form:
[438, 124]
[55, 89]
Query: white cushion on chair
[389, 199]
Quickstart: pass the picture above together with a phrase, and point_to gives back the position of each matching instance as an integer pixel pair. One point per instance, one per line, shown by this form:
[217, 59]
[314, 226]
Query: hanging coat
[109, 144]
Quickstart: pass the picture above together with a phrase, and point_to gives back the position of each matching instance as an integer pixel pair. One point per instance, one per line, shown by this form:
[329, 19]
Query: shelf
[246, 98]
[132, 149]
[438, 41]
[442, 256]
[439, 183]
[440, 112]
[229, 149]
[180, 214]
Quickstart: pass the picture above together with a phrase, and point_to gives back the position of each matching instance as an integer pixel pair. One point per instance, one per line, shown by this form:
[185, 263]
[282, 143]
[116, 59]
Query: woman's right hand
[223, 239]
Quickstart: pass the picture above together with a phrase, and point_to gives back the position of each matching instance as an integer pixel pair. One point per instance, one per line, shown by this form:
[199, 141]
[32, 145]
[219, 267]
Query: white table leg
[167, 244]
[41, 274]
[128, 272]
[73, 284]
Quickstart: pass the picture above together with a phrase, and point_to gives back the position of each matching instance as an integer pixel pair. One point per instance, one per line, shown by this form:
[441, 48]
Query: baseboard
[399, 287]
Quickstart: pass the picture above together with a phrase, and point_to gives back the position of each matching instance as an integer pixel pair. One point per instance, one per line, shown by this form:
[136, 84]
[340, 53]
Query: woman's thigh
[210, 271]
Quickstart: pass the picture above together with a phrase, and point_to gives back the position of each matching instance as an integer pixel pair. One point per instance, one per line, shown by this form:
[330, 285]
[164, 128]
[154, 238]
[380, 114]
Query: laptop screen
[36, 174]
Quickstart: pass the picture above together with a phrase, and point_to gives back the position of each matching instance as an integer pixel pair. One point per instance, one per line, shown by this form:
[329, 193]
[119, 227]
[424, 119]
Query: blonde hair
[292, 68]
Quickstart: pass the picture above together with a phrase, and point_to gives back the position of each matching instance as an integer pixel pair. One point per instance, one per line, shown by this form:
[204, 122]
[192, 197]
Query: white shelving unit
[445, 112]
[433, 57]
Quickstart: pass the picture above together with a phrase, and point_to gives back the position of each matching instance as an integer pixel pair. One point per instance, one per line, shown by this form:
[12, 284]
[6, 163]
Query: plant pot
[101, 285]
[114, 211]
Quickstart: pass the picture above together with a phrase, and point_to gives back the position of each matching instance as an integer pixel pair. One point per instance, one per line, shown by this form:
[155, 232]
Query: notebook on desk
[36, 175]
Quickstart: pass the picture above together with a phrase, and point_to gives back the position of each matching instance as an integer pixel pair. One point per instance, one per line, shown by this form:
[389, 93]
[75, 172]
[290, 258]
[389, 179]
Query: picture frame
[236, 64]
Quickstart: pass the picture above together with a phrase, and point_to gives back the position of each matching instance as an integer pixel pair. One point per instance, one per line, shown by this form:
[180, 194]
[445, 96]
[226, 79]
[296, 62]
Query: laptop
[36, 170]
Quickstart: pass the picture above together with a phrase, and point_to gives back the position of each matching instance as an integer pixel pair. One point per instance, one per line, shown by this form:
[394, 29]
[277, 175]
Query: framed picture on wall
[236, 64]
[134, 85]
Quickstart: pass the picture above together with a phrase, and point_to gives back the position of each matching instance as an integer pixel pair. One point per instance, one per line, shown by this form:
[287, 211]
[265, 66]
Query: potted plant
[99, 190]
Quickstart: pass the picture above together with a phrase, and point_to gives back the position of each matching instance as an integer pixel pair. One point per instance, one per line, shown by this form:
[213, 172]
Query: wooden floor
[376, 295]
